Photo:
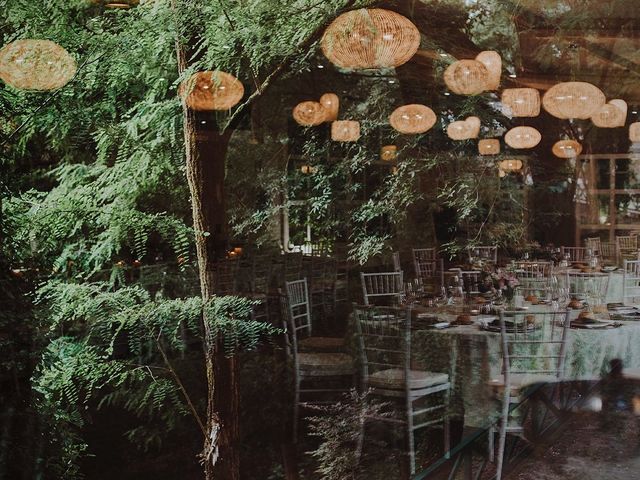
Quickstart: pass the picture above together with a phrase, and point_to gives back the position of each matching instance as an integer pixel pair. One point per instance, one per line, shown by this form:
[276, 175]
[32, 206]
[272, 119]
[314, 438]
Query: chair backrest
[292, 266]
[424, 254]
[627, 243]
[534, 344]
[576, 254]
[298, 313]
[486, 253]
[607, 251]
[631, 282]
[395, 256]
[532, 270]
[385, 286]
[426, 270]
[594, 243]
[585, 285]
[384, 336]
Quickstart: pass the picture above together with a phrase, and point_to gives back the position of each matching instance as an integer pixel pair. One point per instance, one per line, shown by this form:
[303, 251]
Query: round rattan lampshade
[493, 63]
[345, 131]
[331, 104]
[622, 105]
[521, 102]
[573, 100]
[412, 119]
[206, 91]
[36, 65]
[388, 153]
[634, 132]
[566, 149]
[370, 38]
[464, 129]
[489, 146]
[609, 116]
[511, 165]
[522, 137]
[466, 77]
[309, 114]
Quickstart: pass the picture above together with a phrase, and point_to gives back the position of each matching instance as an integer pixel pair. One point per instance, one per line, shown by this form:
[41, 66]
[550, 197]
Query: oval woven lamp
[388, 153]
[370, 38]
[573, 100]
[609, 116]
[511, 165]
[206, 91]
[466, 77]
[36, 65]
[521, 102]
[331, 104]
[622, 105]
[345, 131]
[412, 119]
[522, 137]
[489, 146]
[309, 114]
[634, 132]
[493, 63]
[566, 149]
[464, 129]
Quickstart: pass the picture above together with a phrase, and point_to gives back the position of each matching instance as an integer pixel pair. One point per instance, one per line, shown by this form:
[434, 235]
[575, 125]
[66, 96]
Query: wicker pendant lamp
[522, 137]
[309, 114]
[566, 149]
[412, 119]
[634, 132]
[622, 105]
[511, 165]
[573, 100]
[388, 153]
[489, 146]
[345, 131]
[36, 65]
[331, 104]
[464, 129]
[521, 102]
[610, 115]
[206, 91]
[466, 77]
[493, 63]
[370, 38]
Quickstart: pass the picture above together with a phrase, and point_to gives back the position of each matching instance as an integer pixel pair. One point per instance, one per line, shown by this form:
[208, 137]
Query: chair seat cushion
[519, 381]
[393, 378]
[325, 364]
[321, 344]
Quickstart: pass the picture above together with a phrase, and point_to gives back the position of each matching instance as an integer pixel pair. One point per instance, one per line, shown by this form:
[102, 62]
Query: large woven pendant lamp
[522, 137]
[412, 119]
[464, 129]
[634, 132]
[309, 114]
[493, 63]
[345, 131]
[611, 114]
[489, 146]
[331, 104]
[370, 38]
[36, 65]
[206, 91]
[511, 165]
[573, 100]
[466, 77]
[521, 102]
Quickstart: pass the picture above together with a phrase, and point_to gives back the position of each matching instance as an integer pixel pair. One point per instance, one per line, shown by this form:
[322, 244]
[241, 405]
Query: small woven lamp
[309, 114]
[412, 119]
[634, 132]
[489, 146]
[522, 137]
[573, 100]
[345, 131]
[206, 91]
[388, 153]
[36, 65]
[464, 129]
[566, 149]
[370, 38]
[331, 104]
[521, 102]
[610, 115]
[622, 105]
[466, 77]
[492, 61]
[511, 165]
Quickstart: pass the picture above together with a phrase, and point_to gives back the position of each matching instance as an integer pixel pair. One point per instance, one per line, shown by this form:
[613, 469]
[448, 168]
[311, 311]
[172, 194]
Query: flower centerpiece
[501, 282]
